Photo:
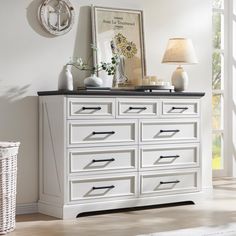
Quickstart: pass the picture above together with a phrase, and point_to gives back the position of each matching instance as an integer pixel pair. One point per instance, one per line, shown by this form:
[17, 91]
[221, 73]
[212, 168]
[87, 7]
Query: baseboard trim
[27, 208]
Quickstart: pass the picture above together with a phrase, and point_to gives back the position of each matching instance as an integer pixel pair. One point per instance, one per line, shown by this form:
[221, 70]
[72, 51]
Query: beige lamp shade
[180, 51]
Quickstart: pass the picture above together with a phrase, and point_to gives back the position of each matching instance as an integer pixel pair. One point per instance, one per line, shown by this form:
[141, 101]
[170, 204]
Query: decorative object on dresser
[93, 80]
[66, 79]
[103, 150]
[154, 88]
[180, 51]
[56, 16]
[123, 36]
[152, 83]
[153, 80]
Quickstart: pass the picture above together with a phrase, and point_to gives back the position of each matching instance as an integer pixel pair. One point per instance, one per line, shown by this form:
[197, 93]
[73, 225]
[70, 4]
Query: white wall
[31, 61]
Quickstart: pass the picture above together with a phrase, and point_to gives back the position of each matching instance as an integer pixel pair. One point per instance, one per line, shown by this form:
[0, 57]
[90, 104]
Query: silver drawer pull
[179, 108]
[170, 182]
[103, 187]
[103, 160]
[109, 132]
[137, 108]
[166, 157]
[91, 108]
[169, 131]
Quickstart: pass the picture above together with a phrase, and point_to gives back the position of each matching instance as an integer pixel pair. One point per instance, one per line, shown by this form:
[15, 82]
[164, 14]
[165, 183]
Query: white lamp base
[180, 79]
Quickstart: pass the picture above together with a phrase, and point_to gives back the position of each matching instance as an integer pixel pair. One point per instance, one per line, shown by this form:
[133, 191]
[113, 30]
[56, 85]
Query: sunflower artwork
[126, 49]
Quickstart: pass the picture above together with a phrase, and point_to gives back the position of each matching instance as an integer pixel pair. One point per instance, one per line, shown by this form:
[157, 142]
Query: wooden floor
[220, 210]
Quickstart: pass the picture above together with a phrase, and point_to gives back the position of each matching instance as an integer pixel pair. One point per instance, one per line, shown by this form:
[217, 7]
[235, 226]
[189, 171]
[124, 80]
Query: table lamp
[180, 51]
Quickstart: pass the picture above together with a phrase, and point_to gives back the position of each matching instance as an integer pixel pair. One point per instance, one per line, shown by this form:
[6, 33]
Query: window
[218, 59]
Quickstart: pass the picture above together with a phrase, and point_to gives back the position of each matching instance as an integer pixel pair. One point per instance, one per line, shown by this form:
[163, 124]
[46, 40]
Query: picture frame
[120, 31]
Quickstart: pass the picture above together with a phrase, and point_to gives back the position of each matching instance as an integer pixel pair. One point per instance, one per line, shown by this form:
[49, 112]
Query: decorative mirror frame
[44, 17]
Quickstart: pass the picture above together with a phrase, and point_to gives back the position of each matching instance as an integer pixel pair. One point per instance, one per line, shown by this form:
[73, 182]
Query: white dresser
[103, 150]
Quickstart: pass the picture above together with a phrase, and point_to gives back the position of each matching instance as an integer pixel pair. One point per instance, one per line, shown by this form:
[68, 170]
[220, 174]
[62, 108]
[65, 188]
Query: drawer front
[100, 188]
[169, 156]
[103, 132]
[169, 182]
[137, 108]
[171, 108]
[168, 130]
[102, 159]
[90, 108]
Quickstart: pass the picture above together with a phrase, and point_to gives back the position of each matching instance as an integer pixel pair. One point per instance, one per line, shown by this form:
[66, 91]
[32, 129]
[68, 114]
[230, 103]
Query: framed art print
[120, 31]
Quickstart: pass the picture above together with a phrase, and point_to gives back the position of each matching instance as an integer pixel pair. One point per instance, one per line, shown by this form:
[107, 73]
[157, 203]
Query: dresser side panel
[52, 148]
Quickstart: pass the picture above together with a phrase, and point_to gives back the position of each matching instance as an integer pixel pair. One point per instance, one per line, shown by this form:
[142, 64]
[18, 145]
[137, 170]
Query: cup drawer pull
[169, 131]
[166, 157]
[170, 182]
[103, 187]
[109, 132]
[91, 108]
[179, 108]
[137, 108]
[103, 160]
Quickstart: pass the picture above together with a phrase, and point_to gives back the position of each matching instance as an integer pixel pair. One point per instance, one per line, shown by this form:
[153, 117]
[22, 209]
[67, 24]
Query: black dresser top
[121, 93]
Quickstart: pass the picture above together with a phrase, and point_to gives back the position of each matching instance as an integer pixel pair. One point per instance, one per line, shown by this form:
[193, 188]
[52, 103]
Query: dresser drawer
[137, 108]
[101, 132]
[102, 159]
[172, 182]
[187, 108]
[90, 108]
[169, 130]
[97, 187]
[169, 156]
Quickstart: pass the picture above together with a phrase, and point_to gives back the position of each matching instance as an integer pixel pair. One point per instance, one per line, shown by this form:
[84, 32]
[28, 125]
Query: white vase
[93, 81]
[66, 80]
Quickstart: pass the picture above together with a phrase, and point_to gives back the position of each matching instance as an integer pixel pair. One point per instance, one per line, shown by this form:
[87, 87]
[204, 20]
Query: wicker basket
[8, 174]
